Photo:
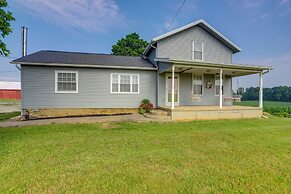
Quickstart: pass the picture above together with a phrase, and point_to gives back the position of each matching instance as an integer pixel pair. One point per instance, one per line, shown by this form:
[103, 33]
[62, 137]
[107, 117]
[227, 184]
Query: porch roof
[208, 67]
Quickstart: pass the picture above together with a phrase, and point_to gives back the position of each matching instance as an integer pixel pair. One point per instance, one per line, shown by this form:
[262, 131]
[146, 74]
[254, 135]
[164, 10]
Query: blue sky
[260, 27]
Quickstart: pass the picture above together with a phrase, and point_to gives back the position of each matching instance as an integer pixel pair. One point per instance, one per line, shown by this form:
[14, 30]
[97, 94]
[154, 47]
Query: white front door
[169, 90]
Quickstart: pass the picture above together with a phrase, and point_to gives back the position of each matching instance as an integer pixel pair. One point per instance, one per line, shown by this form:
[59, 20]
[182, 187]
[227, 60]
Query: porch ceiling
[205, 70]
[233, 70]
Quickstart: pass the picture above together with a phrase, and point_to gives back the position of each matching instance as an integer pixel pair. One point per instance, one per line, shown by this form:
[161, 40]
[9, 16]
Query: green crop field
[272, 107]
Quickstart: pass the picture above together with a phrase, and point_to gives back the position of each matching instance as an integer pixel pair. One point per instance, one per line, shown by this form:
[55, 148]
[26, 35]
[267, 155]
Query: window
[217, 83]
[66, 81]
[125, 83]
[197, 84]
[197, 51]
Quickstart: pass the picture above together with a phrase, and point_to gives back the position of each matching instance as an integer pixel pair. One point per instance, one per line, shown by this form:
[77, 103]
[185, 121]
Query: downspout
[266, 71]
[157, 74]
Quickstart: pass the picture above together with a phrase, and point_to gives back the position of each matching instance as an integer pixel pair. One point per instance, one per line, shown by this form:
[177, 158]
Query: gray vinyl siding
[38, 89]
[179, 46]
[185, 90]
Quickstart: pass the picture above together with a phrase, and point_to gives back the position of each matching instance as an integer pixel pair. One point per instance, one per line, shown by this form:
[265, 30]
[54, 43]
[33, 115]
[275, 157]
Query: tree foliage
[131, 45]
[279, 93]
[5, 29]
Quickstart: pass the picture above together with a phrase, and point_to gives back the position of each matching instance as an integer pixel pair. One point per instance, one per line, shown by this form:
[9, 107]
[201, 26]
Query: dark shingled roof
[75, 58]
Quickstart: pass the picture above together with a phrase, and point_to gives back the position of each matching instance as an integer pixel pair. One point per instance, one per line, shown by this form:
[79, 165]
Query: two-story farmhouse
[187, 72]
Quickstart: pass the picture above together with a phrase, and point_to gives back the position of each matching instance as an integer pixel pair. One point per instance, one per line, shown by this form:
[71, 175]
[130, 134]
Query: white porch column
[220, 89]
[173, 87]
[261, 91]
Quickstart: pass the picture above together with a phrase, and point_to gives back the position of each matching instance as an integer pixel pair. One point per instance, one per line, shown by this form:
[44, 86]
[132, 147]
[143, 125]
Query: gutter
[85, 65]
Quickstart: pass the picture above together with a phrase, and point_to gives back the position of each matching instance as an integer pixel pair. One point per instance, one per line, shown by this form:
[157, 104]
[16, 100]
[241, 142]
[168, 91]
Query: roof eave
[82, 65]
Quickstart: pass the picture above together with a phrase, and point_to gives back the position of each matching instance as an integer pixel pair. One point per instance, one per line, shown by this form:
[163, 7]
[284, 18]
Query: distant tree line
[279, 93]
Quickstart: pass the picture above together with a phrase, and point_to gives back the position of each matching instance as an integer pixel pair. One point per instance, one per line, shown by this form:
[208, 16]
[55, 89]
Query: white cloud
[251, 3]
[89, 15]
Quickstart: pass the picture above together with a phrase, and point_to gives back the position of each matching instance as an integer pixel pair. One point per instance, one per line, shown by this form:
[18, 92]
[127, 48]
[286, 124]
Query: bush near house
[146, 106]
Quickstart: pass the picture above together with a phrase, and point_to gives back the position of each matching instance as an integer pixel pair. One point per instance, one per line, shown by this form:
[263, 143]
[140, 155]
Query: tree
[131, 45]
[240, 91]
[279, 93]
[5, 29]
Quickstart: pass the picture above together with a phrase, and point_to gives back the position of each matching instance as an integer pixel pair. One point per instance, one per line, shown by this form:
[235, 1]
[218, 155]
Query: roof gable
[203, 24]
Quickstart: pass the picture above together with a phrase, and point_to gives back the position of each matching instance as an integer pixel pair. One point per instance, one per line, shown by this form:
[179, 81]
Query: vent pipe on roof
[24, 40]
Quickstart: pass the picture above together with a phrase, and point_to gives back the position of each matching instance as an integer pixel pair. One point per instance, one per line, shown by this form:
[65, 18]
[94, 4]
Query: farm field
[275, 108]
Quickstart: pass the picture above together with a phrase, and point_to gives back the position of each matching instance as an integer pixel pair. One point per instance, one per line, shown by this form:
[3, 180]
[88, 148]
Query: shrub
[146, 106]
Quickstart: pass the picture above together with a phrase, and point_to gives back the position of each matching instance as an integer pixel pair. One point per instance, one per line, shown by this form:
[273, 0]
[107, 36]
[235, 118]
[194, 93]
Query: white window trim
[118, 74]
[193, 84]
[223, 77]
[193, 49]
[56, 82]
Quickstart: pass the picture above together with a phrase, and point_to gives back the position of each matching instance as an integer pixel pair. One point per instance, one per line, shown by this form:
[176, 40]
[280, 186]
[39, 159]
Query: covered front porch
[204, 90]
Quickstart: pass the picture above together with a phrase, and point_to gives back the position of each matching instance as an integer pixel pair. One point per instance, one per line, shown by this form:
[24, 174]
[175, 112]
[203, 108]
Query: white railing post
[261, 91]
[220, 89]
[173, 87]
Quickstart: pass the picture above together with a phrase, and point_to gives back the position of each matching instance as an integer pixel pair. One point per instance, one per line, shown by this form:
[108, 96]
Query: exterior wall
[179, 46]
[10, 94]
[185, 91]
[38, 89]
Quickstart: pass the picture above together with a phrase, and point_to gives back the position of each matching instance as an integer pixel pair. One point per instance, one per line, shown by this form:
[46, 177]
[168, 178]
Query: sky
[261, 28]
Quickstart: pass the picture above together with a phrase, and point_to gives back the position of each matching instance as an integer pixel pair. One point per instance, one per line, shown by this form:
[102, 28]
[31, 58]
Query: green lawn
[235, 156]
[6, 116]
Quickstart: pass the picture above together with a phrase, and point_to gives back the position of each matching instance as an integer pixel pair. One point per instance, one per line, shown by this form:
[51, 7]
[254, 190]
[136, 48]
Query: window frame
[131, 83]
[66, 92]
[202, 80]
[223, 77]
[193, 51]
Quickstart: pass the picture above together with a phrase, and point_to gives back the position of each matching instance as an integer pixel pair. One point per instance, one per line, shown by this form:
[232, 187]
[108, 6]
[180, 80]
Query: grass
[275, 108]
[9, 101]
[235, 156]
[6, 116]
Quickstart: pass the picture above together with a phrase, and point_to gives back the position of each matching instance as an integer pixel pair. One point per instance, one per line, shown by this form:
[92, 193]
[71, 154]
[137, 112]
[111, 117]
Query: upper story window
[197, 85]
[197, 51]
[66, 81]
[217, 84]
[124, 83]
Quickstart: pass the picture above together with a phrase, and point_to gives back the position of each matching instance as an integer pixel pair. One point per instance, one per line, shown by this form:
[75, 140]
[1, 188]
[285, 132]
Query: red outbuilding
[10, 90]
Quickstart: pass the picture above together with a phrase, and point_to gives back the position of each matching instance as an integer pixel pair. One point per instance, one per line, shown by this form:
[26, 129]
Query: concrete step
[159, 113]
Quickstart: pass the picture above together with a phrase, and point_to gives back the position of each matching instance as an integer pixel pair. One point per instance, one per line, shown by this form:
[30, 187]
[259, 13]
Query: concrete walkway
[5, 108]
[75, 120]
